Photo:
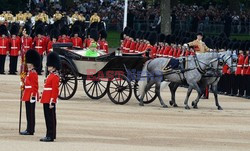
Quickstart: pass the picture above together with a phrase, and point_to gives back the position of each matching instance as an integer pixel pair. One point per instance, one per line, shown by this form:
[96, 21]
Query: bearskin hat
[138, 34]
[64, 30]
[103, 34]
[53, 60]
[33, 57]
[247, 47]
[168, 39]
[54, 33]
[126, 30]
[121, 36]
[94, 25]
[40, 30]
[14, 29]
[132, 34]
[236, 46]
[27, 28]
[161, 38]
[209, 43]
[152, 38]
[3, 30]
[94, 34]
[76, 30]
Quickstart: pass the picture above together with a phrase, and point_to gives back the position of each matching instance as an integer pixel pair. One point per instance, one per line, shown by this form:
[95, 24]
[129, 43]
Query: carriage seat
[178, 64]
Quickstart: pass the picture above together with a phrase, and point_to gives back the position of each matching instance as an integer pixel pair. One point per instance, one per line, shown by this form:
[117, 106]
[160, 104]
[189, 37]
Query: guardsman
[161, 40]
[39, 43]
[76, 40]
[53, 39]
[81, 17]
[26, 40]
[27, 15]
[15, 47]
[198, 44]
[64, 32]
[75, 16]
[103, 44]
[138, 38]
[20, 17]
[4, 46]
[50, 95]
[94, 18]
[151, 41]
[87, 40]
[30, 93]
[238, 74]
[57, 16]
[246, 73]
[132, 39]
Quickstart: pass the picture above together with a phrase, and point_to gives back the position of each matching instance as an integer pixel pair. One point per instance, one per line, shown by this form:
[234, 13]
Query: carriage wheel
[150, 96]
[95, 89]
[119, 90]
[68, 82]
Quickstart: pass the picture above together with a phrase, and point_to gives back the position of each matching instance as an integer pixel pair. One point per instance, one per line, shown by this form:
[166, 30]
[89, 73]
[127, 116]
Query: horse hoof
[141, 104]
[171, 103]
[187, 107]
[220, 108]
[193, 103]
[195, 107]
[165, 106]
[175, 105]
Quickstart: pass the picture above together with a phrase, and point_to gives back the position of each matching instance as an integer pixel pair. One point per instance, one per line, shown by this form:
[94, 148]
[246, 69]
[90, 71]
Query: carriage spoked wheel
[95, 89]
[68, 82]
[150, 96]
[119, 90]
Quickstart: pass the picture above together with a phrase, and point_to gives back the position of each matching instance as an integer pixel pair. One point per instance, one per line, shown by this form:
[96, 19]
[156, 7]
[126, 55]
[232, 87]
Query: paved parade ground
[85, 124]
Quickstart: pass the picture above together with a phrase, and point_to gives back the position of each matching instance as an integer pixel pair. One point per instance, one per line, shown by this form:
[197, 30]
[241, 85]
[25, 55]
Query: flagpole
[125, 14]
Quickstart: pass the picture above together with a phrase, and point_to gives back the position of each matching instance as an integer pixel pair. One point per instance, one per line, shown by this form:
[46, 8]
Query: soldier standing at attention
[49, 96]
[30, 94]
[4, 46]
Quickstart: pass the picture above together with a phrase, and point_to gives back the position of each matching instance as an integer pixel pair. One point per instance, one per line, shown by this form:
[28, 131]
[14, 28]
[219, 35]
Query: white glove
[185, 45]
[33, 99]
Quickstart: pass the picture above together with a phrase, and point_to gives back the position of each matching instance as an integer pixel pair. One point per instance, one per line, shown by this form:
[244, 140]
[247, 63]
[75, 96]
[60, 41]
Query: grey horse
[157, 70]
[227, 57]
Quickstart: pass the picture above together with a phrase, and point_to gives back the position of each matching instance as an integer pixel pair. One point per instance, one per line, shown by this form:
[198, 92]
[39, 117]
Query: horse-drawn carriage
[106, 74]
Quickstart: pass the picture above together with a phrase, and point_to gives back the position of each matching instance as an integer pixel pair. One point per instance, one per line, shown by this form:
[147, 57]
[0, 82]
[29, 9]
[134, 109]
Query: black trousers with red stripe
[30, 116]
[50, 120]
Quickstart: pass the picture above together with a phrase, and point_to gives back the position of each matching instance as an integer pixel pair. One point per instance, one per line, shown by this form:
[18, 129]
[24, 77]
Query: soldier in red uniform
[87, 40]
[40, 45]
[246, 73]
[4, 46]
[76, 40]
[238, 73]
[161, 40]
[64, 38]
[15, 46]
[132, 38]
[26, 40]
[49, 96]
[53, 39]
[103, 44]
[30, 93]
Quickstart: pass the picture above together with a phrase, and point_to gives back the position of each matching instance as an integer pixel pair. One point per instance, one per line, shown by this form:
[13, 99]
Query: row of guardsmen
[42, 16]
[234, 84]
[13, 45]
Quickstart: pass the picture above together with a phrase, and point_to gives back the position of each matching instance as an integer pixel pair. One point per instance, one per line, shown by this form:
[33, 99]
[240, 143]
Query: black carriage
[108, 74]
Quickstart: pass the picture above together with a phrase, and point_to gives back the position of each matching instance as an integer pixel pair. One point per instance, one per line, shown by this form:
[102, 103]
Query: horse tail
[143, 80]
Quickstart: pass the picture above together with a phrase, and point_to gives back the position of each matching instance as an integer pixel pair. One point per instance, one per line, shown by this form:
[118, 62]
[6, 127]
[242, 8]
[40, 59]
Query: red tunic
[166, 51]
[179, 52]
[127, 46]
[187, 53]
[137, 46]
[40, 45]
[175, 52]
[103, 45]
[51, 89]
[87, 42]
[248, 70]
[246, 65]
[50, 47]
[4, 45]
[132, 47]
[153, 51]
[15, 46]
[26, 43]
[77, 42]
[140, 48]
[64, 40]
[171, 52]
[30, 86]
[239, 69]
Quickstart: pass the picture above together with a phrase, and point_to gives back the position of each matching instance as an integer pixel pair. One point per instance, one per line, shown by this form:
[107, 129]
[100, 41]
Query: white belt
[239, 65]
[13, 47]
[2, 46]
[27, 87]
[47, 89]
[38, 47]
[26, 46]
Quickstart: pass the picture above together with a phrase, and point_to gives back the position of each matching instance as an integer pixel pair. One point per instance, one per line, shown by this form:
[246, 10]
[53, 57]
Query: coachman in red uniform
[49, 96]
[40, 45]
[4, 46]
[30, 93]
[76, 40]
[15, 47]
[103, 44]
